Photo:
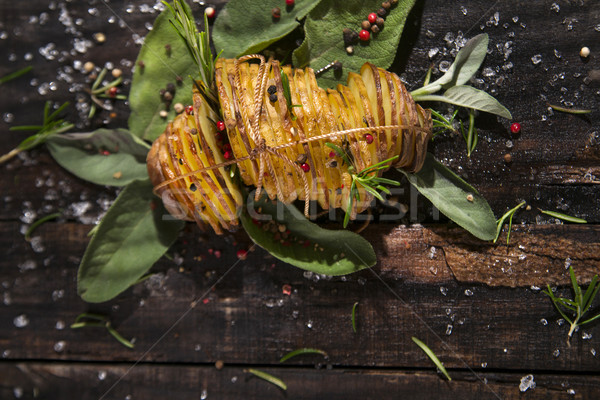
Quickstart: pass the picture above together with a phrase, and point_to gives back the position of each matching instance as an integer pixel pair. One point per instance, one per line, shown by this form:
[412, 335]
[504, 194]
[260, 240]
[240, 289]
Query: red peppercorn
[364, 35]
[372, 18]
[210, 12]
[305, 167]
[220, 126]
[112, 92]
[286, 289]
[331, 154]
[369, 138]
[289, 2]
[189, 110]
[228, 155]
[242, 254]
[515, 128]
[226, 147]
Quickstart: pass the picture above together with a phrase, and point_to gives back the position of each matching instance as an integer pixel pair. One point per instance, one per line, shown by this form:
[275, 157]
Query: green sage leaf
[163, 59]
[104, 157]
[308, 246]
[324, 40]
[247, 26]
[133, 234]
[465, 65]
[455, 198]
[469, 97]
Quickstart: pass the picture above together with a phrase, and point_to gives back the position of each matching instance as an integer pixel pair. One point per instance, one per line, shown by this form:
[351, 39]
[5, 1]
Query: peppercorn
[381, 12]
[272, 89]
[273, 98]
[379, 22]
[210, 12]
[372, 17]
[301, 159]
[366, 25]
[276, 12]
[515, 128]
[289, 3]
[386, 5]
[350, 36]
[337, 66]
[364, 35]
[171, 88]
[375, 29]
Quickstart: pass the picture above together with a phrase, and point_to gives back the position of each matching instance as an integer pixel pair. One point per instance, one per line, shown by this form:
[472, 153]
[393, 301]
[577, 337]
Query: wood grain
[479, 306]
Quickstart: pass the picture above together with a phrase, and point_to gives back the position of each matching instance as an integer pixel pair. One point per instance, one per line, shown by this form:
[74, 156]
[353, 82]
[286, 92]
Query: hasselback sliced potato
[281, 147]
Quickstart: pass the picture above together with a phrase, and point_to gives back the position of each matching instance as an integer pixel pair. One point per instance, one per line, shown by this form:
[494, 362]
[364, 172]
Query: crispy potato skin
[373, 98]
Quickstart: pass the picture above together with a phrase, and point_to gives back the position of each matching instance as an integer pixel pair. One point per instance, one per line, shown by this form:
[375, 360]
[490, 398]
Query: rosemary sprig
[84, 320]
[367, 179]
[432, 356]
[509, 214]
[51, 125]
[577, 307]
[568, 110]
[15, 75]
[564, 217]
[304, 350]
[354, 317]
[96, 92]
[198, 45]
[285, 82]
[442, 124]
[470, 136]
[39, 222]
[267, 377]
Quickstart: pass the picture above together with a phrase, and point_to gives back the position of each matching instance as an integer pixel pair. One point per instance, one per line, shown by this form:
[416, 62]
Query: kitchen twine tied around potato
[262, 150]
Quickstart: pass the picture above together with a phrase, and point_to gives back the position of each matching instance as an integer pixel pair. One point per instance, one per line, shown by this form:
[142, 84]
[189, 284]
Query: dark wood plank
[89, 381]
[429, 278]
[187, 313]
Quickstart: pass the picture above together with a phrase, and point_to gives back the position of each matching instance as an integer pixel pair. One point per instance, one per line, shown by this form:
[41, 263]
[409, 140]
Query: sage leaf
[454, 197]
[468, 96]
[135, 232]
[247, 26]
[465, 65]
[324, 41]
[104, 157]
[308, 246]
[163, 59]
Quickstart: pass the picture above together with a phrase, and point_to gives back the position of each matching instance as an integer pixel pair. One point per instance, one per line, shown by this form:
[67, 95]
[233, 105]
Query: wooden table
[478, 306]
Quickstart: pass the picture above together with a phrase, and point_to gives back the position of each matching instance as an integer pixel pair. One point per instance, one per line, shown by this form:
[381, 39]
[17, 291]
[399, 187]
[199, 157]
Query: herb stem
[15, 75]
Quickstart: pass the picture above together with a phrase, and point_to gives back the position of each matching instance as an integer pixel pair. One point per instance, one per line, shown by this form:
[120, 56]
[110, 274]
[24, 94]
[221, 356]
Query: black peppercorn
[350, 37]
